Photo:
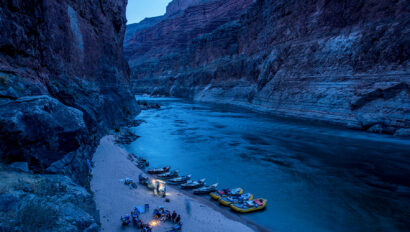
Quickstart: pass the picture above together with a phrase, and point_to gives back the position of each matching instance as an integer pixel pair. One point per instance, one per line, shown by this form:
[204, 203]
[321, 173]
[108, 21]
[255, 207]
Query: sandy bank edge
[108, 150]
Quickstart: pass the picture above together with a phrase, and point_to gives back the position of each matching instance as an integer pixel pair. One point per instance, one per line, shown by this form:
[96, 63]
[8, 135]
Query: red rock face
[343, 62]
[67, 37]
[178, 6]
[64, 48]
[176, 33]
[71, 51]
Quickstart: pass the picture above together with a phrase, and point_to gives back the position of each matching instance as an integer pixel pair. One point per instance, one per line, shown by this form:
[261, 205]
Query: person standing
[165, 191]
[173, 216]
[188, 206]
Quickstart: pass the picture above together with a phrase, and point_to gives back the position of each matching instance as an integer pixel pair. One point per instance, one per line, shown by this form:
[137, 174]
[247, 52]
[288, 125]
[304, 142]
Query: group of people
[165, 215]
[160, 213]
[135, 217]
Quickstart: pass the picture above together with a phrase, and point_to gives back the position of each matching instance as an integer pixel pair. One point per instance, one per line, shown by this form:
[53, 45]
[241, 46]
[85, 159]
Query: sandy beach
[114, 199]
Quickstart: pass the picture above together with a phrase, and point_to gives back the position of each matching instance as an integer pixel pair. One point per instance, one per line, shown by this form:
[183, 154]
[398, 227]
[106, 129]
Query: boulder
[39, 130]
[19, 166]
[46, 203]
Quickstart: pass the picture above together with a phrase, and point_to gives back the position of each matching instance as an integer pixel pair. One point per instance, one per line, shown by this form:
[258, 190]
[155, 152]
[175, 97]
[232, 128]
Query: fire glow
[154, 223]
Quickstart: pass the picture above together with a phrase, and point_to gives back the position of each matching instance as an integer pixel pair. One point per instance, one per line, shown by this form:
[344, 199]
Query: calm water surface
[316, 178]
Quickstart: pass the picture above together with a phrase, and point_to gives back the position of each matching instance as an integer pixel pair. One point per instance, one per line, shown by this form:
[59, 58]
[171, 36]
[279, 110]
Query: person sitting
[156, 212]
[125, 220]
[178, 219]
[158, 215]
[139, 224]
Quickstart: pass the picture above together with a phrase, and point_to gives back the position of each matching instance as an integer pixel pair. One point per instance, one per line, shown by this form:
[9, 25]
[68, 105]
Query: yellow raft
[250, 206]
[225, 193]
[227, 201]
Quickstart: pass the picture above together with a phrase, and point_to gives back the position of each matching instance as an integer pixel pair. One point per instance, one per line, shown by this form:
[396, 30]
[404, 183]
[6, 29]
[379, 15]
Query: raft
[206, 189]
[168, 175]
[179, 180]
[224, 193]
[250, 206]
[193, 184]
[159, 170]
[227, 201]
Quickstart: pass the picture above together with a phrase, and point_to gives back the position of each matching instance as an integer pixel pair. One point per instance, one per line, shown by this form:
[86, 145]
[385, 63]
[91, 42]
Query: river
[315, 177]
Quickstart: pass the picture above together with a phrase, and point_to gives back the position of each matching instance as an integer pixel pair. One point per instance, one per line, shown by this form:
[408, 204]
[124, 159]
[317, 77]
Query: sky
[137, 10]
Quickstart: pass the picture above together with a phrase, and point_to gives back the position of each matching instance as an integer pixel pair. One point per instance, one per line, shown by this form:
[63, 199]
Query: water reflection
[315, 177]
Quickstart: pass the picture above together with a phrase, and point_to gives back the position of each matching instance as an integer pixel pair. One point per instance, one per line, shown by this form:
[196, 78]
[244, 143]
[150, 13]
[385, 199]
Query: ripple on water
[316, 178]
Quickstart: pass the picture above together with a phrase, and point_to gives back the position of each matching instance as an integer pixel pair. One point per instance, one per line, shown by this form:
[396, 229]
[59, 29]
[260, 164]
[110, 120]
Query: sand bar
[115, 199]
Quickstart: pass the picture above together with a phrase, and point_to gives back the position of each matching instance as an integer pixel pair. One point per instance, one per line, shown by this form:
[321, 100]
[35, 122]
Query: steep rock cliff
[342, 62]
[174, 33]
[63, 83]
[63, 80]
[178, 6]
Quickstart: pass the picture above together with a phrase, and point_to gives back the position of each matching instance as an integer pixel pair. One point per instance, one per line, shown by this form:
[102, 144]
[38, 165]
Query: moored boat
[168, 175]
[227, 201]
[225, 193]
[179, 180]
[250, 206]
[193, 184]
[206, 189]
[159, 170]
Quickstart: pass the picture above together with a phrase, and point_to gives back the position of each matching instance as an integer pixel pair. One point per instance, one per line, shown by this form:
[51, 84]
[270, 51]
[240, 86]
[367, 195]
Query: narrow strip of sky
[137, 10]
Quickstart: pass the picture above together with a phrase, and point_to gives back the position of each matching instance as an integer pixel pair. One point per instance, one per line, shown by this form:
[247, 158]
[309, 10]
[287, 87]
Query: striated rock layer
[342, 62]
[63, 79]
[63, 84]
[169, 35]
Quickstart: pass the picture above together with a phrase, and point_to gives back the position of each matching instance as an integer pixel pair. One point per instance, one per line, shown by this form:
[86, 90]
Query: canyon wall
[178, 6]
[63, 78]
[341, 62]
[63, 83]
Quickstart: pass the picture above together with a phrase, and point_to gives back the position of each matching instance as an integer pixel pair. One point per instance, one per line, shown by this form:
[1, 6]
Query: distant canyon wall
[342, 62]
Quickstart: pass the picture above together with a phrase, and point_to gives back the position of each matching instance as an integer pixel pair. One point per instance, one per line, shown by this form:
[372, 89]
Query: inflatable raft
[193, 184]
[168, 175]
[159, 170]
[225, 193]
[179, 180]
[206, 189]
[250, 206]
[227, 201]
